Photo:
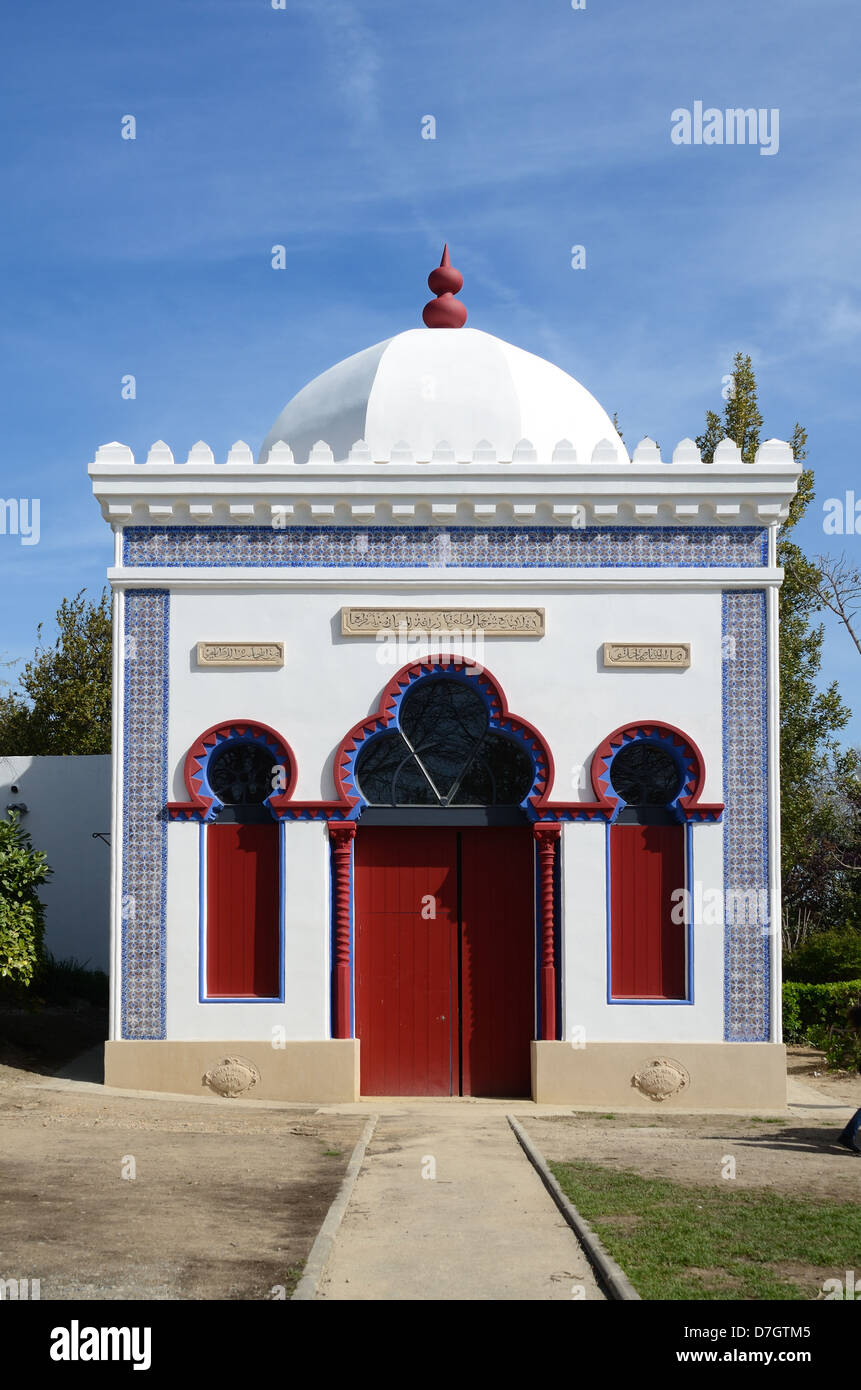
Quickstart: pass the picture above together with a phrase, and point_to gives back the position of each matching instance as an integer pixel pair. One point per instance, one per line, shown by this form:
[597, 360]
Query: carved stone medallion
[231, 1077]
[661, 1078]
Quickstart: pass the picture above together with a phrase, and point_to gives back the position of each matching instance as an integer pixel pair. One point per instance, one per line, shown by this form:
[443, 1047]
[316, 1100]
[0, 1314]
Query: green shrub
[22, 916]
[826, 957]
[816, 1014]
[791, 1013]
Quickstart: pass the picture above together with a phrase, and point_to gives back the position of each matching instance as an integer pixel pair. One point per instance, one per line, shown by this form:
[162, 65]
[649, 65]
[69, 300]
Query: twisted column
[546, 837]
[341, 836]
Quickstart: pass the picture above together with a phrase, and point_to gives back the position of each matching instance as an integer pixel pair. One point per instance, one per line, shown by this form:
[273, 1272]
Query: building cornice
[606, 490]
[461, 580]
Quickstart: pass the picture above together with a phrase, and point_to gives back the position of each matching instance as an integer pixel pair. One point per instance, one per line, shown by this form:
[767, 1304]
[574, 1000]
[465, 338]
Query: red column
[546, 837]
[341, 835]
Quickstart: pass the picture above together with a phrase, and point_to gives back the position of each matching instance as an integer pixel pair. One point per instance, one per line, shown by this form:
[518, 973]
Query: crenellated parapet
[483, 488]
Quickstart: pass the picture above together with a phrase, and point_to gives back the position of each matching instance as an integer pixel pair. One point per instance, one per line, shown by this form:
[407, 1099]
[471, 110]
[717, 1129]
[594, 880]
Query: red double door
[445, 960]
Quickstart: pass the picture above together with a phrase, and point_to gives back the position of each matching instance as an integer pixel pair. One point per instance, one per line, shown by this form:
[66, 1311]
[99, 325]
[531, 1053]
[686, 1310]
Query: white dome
[427, 386]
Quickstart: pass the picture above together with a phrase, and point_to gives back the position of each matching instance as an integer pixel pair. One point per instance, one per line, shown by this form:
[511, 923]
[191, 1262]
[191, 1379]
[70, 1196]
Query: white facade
[438, 501]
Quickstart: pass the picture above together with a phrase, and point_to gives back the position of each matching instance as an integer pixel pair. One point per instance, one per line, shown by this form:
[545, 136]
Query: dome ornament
[445, 311]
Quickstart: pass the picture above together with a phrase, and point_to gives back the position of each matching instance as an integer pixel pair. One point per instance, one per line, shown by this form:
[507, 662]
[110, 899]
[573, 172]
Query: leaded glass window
[644, 775]
[445, 754]
[240, 774]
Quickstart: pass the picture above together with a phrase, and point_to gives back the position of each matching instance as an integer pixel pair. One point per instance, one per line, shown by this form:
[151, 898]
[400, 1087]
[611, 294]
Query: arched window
[241, 774]
[444, 754]
[648, 780]
[241, 936]
[648, 935]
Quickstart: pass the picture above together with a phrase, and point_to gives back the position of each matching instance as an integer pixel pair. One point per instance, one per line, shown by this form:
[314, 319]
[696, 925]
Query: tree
[839, 589]
[22, 916]
[62, 703]
[818, 781]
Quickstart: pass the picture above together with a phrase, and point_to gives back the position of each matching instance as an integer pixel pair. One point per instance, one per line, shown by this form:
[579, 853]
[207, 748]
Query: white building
[445, 752]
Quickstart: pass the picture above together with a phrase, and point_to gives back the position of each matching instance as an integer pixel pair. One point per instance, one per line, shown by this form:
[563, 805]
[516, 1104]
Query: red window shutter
[242, 907]
[648, 949]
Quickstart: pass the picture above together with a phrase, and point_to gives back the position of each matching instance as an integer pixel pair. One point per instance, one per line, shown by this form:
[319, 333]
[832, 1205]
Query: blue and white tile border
[434, 547]
[144, 828]
[747, 949]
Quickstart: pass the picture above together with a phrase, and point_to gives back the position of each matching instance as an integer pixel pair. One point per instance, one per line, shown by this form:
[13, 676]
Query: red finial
[445, 311]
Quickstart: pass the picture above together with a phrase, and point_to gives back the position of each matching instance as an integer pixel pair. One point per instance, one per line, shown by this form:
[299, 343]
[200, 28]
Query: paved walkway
[804, 1097]
[484, 1227]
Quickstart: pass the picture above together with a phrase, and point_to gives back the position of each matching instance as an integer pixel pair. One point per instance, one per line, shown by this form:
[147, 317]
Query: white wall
[329, 682]
[584, 948]
[305, 1011]
[68, 798]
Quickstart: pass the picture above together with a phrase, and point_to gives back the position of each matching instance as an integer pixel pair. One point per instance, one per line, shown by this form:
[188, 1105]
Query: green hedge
[826, 957]
[816, 1015]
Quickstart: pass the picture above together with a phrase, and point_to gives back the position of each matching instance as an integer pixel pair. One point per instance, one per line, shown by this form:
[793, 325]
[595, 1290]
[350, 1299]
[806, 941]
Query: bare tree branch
[839, 589]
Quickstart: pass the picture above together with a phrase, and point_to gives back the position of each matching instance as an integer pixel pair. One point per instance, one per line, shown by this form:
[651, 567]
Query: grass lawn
[677, 1242]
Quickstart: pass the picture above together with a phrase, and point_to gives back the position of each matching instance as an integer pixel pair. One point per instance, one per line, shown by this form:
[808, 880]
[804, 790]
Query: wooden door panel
[406, 959]
[242, 910]
[498, 960]
[648, 949]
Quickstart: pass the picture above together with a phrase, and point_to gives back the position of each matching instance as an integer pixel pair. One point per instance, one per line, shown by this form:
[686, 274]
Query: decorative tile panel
[432, 547]
[145, 664]
[747, 955]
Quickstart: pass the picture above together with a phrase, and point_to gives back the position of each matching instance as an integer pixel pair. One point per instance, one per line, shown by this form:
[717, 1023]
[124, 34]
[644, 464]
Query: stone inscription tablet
[671, 655]
[259, 654]
[492, 622]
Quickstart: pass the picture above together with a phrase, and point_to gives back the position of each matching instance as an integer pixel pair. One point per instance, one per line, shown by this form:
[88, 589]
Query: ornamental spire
[445, 311]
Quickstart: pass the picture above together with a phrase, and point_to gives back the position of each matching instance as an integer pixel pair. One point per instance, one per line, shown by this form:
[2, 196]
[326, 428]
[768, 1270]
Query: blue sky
[302, 126]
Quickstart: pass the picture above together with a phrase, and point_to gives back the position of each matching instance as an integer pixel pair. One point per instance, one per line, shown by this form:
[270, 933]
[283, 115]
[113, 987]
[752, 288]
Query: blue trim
[689, 945]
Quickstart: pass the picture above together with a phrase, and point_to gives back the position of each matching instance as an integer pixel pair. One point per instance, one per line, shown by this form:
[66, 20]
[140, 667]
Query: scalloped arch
[683, 750]
[202, 802]
[387, 717]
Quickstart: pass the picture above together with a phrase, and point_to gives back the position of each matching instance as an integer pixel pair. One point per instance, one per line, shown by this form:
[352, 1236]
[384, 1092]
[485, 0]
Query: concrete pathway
[447, 1206]
[803, 1097]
